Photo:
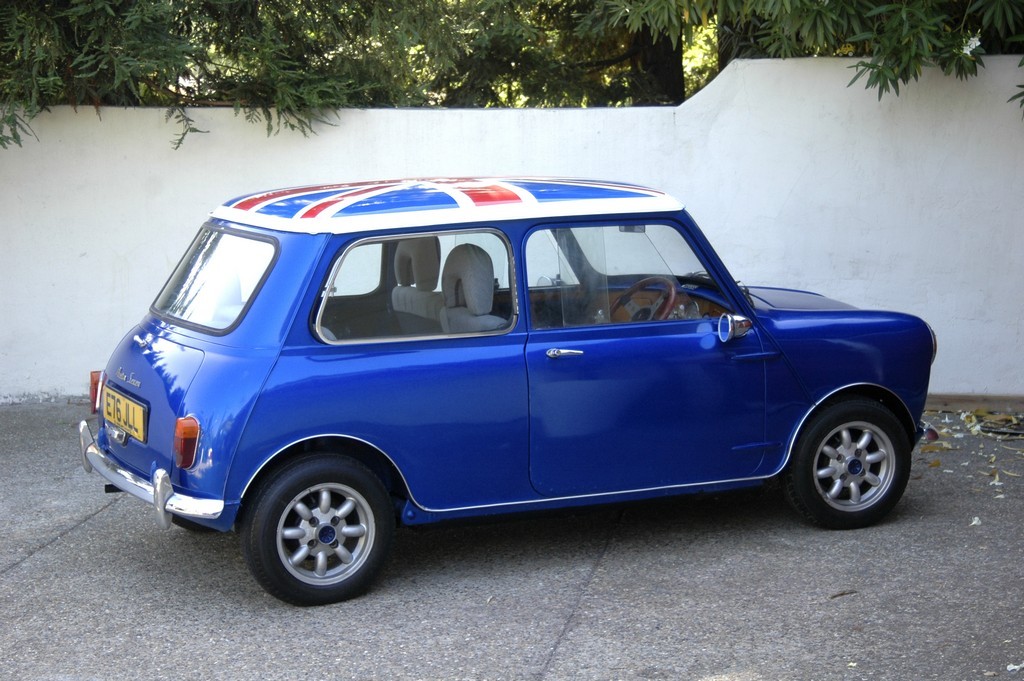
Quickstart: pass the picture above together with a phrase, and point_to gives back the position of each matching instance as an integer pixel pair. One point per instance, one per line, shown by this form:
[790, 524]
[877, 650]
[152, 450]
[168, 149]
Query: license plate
[125, 413]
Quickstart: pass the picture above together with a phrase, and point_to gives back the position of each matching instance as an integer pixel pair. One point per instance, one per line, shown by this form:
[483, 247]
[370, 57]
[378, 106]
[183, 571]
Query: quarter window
[361, 274]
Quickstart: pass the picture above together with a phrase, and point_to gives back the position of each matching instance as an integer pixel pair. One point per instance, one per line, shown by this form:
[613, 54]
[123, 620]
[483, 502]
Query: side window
[610, 274]
[419, 286]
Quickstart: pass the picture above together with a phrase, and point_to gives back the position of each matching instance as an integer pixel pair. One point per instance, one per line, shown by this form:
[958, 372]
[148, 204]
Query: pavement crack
[584, 589]
[61, 534]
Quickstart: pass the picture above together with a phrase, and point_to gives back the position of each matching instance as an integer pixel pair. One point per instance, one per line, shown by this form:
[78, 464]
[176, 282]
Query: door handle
[555, 353]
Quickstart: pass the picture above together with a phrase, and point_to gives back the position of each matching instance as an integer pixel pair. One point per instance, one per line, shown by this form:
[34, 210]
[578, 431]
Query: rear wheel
[319, 530]
[850, 465]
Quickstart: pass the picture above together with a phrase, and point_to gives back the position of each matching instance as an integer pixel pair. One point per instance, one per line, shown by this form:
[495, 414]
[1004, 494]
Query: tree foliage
[896, 40]
[288, 63]
[285, 62]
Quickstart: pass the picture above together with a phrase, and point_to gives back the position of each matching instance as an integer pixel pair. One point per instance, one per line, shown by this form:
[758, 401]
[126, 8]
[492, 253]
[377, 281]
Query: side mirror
[733, 326]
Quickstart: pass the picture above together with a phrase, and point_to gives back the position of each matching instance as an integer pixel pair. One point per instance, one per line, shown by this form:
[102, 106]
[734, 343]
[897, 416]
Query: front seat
[467, 284]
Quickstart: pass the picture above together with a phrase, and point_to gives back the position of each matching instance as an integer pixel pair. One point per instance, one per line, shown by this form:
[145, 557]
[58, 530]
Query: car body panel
[764, 297]
[456, 442]
[153, 369]
[465, 424]
[636, 408]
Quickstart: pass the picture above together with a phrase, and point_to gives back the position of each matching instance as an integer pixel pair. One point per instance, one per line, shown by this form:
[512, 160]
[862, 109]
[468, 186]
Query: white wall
[912, 204]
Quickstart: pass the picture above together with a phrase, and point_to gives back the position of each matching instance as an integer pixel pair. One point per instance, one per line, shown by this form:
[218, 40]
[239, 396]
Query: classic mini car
[328, 362]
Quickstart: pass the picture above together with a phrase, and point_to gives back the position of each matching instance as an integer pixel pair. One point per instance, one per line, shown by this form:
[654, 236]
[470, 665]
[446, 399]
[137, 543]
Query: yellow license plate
[125, 413]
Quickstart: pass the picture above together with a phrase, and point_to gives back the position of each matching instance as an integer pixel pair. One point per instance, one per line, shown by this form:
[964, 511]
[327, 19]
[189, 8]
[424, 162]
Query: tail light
[95, 381]
[186, 441]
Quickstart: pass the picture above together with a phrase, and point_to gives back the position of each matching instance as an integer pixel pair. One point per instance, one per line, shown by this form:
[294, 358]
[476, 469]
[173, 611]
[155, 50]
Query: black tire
[318, 530]
[850, 465]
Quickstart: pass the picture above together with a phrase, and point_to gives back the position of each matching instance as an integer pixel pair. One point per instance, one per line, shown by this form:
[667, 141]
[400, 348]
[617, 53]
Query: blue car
[328, 362]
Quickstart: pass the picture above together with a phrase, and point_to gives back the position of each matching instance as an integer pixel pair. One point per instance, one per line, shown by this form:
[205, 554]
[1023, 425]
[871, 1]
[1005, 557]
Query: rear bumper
[157, 491]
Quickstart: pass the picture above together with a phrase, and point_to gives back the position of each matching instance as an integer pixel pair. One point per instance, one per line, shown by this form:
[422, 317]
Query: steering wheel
[641, 313]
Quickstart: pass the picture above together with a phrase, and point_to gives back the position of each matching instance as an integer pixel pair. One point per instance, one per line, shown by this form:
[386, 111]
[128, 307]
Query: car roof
[394, 204]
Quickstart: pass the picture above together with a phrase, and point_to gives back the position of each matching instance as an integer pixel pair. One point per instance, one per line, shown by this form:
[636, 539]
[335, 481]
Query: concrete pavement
[730, 587]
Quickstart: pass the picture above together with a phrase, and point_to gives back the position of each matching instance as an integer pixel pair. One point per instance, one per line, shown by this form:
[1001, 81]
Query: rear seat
[416, 303]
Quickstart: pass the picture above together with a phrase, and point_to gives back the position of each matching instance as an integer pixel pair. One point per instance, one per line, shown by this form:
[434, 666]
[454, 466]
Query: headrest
[417, 262]
[468, 279]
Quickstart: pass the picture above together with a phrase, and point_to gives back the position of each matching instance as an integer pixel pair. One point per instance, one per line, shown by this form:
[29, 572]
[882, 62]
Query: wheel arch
[370, 456]
[869, 391]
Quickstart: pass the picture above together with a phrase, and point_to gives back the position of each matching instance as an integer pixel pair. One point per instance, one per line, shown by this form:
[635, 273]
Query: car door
[634, 391]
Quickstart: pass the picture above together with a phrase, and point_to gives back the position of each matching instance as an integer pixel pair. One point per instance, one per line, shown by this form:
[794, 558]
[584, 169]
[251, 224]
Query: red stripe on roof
[319, 208]
[491, 194]
[258, 199]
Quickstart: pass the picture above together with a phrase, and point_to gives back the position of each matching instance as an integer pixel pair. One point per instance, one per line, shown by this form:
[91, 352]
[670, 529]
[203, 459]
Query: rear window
[215, 280]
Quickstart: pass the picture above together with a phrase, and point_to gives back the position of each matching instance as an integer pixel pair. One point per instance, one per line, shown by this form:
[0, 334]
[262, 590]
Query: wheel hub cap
[326, 534]
[853, 466]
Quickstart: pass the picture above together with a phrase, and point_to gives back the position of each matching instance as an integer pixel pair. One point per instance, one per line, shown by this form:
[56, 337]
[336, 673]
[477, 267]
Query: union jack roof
[393, 204]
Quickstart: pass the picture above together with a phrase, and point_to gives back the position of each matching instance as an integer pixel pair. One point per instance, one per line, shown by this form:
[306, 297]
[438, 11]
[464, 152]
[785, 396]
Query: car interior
[421, 291]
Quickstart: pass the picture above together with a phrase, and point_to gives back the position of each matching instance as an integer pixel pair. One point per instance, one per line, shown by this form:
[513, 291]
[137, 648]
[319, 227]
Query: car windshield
[215, 280]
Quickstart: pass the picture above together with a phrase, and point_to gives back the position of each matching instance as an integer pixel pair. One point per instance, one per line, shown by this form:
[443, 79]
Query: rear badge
[129, 379]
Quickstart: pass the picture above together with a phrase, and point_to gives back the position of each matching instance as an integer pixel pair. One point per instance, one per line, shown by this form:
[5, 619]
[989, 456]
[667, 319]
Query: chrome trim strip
[505, 504]
[799, 426]
[527, 503]
[598, 495]
[342, 436]
[157, 492]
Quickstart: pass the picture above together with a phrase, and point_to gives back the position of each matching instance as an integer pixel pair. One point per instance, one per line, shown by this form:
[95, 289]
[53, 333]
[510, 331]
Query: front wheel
[849, 466]
[319, 530]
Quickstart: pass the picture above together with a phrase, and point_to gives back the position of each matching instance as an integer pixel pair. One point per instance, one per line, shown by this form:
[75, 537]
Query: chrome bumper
[157, 491]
